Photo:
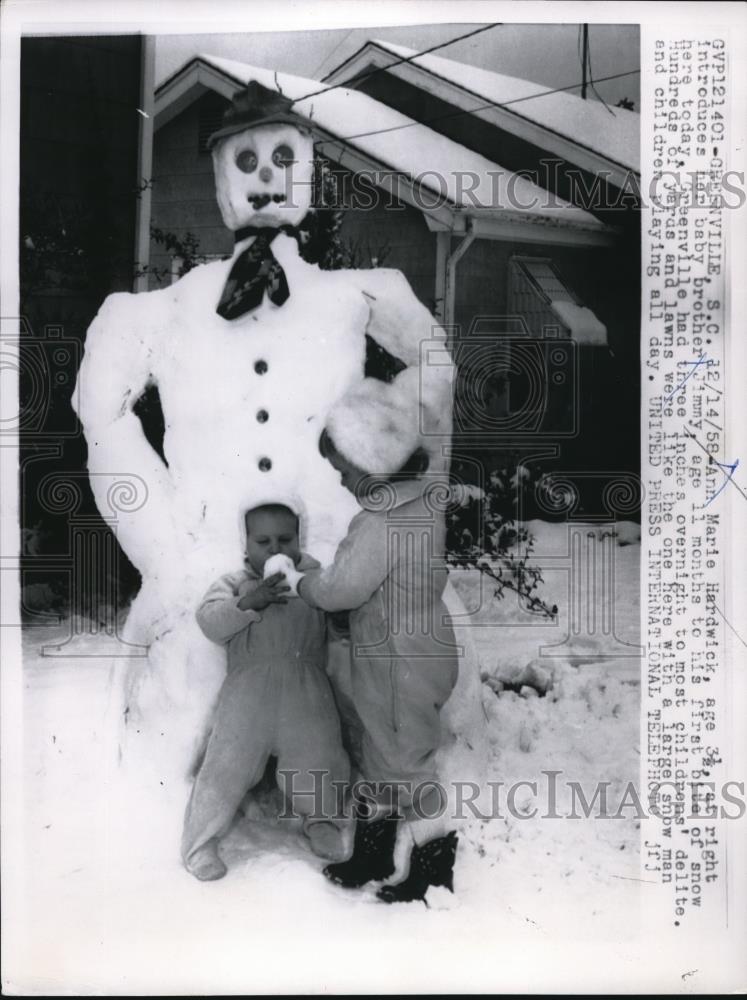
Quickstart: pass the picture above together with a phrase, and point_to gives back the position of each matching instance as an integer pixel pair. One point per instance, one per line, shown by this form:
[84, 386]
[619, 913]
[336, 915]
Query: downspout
[144, 163]
[451, 266]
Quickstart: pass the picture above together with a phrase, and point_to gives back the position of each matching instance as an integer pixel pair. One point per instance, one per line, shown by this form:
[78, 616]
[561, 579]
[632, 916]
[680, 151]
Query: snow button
[260, 367]
[265, 464]
[263, 416]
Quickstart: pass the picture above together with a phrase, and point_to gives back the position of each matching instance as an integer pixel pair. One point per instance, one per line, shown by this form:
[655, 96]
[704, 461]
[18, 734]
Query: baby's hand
[269, 591]
[284, 565]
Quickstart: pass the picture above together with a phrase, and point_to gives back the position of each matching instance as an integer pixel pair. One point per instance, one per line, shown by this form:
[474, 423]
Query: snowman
[250, 356]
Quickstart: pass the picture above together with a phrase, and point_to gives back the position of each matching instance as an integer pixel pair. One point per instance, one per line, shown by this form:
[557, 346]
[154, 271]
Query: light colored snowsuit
[390, 569]
[276, 700]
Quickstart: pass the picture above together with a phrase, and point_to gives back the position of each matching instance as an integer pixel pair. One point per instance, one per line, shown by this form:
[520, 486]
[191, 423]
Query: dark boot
[430, 864]
[373, 854]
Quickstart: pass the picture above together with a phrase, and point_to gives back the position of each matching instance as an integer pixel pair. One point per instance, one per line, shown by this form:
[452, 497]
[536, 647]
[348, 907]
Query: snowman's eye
[283, 156]
[246, 161]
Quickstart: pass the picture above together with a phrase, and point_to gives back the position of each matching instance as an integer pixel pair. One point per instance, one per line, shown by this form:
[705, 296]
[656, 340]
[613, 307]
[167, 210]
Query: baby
[275, 700]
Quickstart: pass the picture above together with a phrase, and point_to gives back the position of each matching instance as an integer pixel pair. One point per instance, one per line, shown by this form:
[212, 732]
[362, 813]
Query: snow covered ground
[108, 908]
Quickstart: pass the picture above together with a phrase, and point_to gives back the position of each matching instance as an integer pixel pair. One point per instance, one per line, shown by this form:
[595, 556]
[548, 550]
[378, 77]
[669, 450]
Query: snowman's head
[264, 176]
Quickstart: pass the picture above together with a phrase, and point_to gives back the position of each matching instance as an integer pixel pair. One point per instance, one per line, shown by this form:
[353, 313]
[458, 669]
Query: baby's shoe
[205, 864]
[430, 864]
[327, 841]
[373, 854]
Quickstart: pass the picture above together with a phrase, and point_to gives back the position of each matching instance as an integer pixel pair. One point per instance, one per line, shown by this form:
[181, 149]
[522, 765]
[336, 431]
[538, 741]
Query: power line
[330, 54]
[399, 62]
[583, 29]
[591, 76]
[490, 104]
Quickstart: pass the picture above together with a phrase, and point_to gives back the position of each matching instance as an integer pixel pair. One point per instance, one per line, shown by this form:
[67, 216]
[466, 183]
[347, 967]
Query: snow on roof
[467, 179]
[615, 135]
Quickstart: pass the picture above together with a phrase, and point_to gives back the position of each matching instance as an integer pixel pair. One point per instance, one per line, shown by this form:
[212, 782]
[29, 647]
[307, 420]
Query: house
[511, 211]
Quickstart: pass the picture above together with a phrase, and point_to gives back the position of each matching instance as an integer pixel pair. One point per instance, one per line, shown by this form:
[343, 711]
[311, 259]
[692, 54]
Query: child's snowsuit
[390, 568]
[276, 700]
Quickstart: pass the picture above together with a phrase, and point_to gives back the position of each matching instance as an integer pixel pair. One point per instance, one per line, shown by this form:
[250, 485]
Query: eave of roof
[498, 193]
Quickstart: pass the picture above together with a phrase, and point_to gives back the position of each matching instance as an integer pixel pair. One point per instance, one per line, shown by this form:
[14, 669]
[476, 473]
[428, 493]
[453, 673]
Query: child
[390, 570]
[275, 700]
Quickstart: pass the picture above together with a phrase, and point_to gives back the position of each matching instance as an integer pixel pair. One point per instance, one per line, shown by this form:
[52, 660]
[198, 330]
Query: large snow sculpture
[245, 395]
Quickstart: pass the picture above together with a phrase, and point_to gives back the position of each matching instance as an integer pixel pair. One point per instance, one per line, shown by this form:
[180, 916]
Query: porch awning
[582, 323]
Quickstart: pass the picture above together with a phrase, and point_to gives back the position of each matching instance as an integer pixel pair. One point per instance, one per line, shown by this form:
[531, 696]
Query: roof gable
[584, 132]
[443, 179]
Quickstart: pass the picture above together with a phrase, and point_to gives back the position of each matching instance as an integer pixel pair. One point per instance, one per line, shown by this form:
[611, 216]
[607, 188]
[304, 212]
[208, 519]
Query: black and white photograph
[372, 498]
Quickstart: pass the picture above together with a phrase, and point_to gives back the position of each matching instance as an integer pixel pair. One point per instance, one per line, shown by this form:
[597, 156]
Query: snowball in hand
[281, 563]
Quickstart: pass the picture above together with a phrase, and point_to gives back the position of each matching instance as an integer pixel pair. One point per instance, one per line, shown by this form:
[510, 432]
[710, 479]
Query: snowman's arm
[219, 615]
[116, 368]
[360, 566]
[400, 322]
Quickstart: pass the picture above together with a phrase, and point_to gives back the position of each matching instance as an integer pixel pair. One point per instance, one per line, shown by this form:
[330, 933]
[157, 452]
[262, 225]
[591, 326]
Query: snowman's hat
[257, 105]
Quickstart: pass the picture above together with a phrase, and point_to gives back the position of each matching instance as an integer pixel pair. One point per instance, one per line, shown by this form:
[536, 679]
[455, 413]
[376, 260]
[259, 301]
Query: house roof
[553, 119]
[358, 131]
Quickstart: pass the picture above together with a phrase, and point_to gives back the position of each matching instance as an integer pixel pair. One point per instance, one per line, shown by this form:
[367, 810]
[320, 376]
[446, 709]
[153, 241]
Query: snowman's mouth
[258, 201]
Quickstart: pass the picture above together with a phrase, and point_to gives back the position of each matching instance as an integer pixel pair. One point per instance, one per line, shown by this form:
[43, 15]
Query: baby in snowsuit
[390, 570]
[276, 700]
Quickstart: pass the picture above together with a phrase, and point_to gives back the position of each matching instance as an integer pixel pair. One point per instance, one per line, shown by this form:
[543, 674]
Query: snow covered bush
[483, 534]
[185, 248]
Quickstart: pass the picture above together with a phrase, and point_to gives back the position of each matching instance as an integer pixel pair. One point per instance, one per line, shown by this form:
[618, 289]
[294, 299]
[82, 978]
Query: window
[546, 279]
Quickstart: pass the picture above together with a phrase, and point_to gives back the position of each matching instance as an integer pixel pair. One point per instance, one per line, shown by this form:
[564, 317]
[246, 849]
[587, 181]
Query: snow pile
[570, 708]
[108, 906]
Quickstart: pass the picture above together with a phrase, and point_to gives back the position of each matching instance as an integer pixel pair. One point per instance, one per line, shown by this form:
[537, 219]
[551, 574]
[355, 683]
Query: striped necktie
[255, 271]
